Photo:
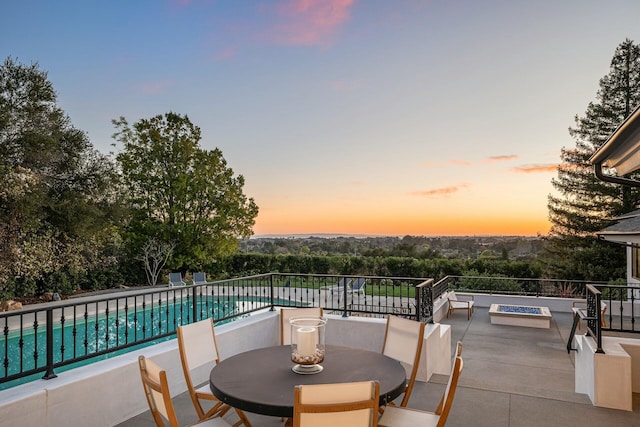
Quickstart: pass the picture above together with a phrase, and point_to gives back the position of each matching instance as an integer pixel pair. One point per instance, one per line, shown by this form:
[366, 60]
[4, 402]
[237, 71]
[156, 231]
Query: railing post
[194, 299]
[271, 299]
[594, 314]
[344, 298]
[49, 374]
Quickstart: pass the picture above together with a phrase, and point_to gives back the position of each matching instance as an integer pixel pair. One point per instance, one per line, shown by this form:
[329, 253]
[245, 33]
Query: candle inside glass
[307, 340]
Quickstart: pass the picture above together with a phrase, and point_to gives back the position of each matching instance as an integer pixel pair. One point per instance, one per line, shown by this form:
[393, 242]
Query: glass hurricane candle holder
[307, 344]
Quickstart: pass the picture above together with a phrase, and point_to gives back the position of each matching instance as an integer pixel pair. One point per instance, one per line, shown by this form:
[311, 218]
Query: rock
[47, 296]
[10, 304]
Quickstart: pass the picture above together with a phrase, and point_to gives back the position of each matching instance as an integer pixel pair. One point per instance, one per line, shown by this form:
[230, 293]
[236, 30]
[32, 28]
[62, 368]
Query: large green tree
[585, 204]
[55, 193]
[181, 193]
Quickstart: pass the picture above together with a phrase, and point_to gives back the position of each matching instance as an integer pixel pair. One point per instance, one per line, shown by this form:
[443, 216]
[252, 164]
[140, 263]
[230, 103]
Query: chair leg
[243, 419]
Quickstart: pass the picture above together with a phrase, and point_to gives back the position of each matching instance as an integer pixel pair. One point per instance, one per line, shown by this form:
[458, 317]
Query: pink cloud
[536, 168]
[309, 22]
[460, 162]
[436, 192]
[224, 54]
[156, 87]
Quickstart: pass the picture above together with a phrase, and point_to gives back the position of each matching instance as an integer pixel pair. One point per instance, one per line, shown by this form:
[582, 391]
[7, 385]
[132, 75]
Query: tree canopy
[181, 193]
[585, 204]
[55, 196]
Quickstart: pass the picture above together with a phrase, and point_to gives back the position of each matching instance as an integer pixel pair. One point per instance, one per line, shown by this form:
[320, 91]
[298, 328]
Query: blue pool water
[100, 333]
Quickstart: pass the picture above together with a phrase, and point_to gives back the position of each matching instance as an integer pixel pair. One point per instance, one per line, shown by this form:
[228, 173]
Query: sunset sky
[376, 117]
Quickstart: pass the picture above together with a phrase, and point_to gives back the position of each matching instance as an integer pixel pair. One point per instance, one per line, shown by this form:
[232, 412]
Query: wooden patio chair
[581, 306]
[352, 404]
[286, 314]
[403, 340]
[197, 346]
[405, 417]
[456, 304]
[156, 389]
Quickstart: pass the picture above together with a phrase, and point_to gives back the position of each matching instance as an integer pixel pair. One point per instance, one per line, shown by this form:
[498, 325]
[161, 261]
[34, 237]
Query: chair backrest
[358, 284]
[345, 404]
[197, 346]
[175, 278]
[199, 277]
[447, 398]
[403, 342]
[156, 389]
[452, 296]
[286, 314]
[345, 280]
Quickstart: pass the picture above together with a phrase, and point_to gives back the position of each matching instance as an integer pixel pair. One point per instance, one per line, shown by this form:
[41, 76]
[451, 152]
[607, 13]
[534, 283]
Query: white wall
[109, 392]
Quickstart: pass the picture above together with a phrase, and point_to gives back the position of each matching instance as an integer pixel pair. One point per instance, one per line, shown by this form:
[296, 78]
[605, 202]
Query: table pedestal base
[307, 369]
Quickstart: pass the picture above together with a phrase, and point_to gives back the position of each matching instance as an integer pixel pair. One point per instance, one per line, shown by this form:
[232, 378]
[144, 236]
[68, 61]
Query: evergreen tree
[586, 204]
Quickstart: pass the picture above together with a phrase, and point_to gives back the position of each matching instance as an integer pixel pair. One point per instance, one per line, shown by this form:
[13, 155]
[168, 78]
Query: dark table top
[261, 381]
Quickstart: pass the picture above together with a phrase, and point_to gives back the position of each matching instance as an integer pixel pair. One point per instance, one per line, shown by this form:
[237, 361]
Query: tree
[585, 204]
[55, 195]
[154, 256]
[181, 193]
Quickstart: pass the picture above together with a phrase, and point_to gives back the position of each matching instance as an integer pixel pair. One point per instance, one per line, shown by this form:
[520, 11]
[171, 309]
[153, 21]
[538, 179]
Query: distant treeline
[249, 264]
[422, 247]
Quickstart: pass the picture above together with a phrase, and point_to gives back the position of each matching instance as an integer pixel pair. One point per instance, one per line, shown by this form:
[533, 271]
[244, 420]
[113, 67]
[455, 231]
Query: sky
[371, 117]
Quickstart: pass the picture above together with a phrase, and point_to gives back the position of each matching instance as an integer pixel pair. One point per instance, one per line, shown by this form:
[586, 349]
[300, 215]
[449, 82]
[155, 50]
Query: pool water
[27, 351]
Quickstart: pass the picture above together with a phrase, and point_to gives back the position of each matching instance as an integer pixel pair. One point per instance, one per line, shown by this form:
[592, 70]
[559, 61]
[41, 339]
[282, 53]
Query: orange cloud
[309, 22]
[502, 158]
[444, 191]
[460, 162]
[536, 168]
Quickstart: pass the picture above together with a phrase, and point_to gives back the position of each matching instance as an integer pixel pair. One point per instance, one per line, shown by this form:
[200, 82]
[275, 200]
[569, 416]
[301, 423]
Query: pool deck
[512, 377]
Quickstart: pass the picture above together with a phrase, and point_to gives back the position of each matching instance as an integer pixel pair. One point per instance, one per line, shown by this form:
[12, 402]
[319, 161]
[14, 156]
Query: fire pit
[520, 315]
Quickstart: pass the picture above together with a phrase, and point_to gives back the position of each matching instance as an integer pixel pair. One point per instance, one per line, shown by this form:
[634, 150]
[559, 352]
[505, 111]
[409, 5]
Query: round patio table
[261, 381]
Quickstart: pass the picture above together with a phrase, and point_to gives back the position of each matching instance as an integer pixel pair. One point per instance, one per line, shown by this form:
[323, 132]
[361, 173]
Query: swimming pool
[81, 337]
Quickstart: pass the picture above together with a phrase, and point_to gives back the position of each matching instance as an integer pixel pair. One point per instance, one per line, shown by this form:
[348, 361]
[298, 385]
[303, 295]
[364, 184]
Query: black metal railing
[594, 316]
[44, 339]
[41, 340]
[558, 288]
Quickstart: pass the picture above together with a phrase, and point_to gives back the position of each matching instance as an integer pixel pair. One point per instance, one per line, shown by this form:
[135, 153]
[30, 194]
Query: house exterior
[622, 153]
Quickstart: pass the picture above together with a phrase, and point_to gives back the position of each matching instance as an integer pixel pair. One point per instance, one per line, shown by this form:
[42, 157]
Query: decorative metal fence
[65, 333]
[41, 340]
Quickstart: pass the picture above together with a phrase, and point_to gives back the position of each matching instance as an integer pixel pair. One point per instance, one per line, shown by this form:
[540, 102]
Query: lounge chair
[175, 279]
[354, 286]
[200, 278]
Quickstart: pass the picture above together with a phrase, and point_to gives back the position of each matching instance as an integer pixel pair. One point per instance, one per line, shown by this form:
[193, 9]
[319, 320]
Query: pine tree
[585, 204]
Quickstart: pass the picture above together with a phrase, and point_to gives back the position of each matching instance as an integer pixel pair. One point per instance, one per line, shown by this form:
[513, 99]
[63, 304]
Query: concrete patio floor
[513, 377]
